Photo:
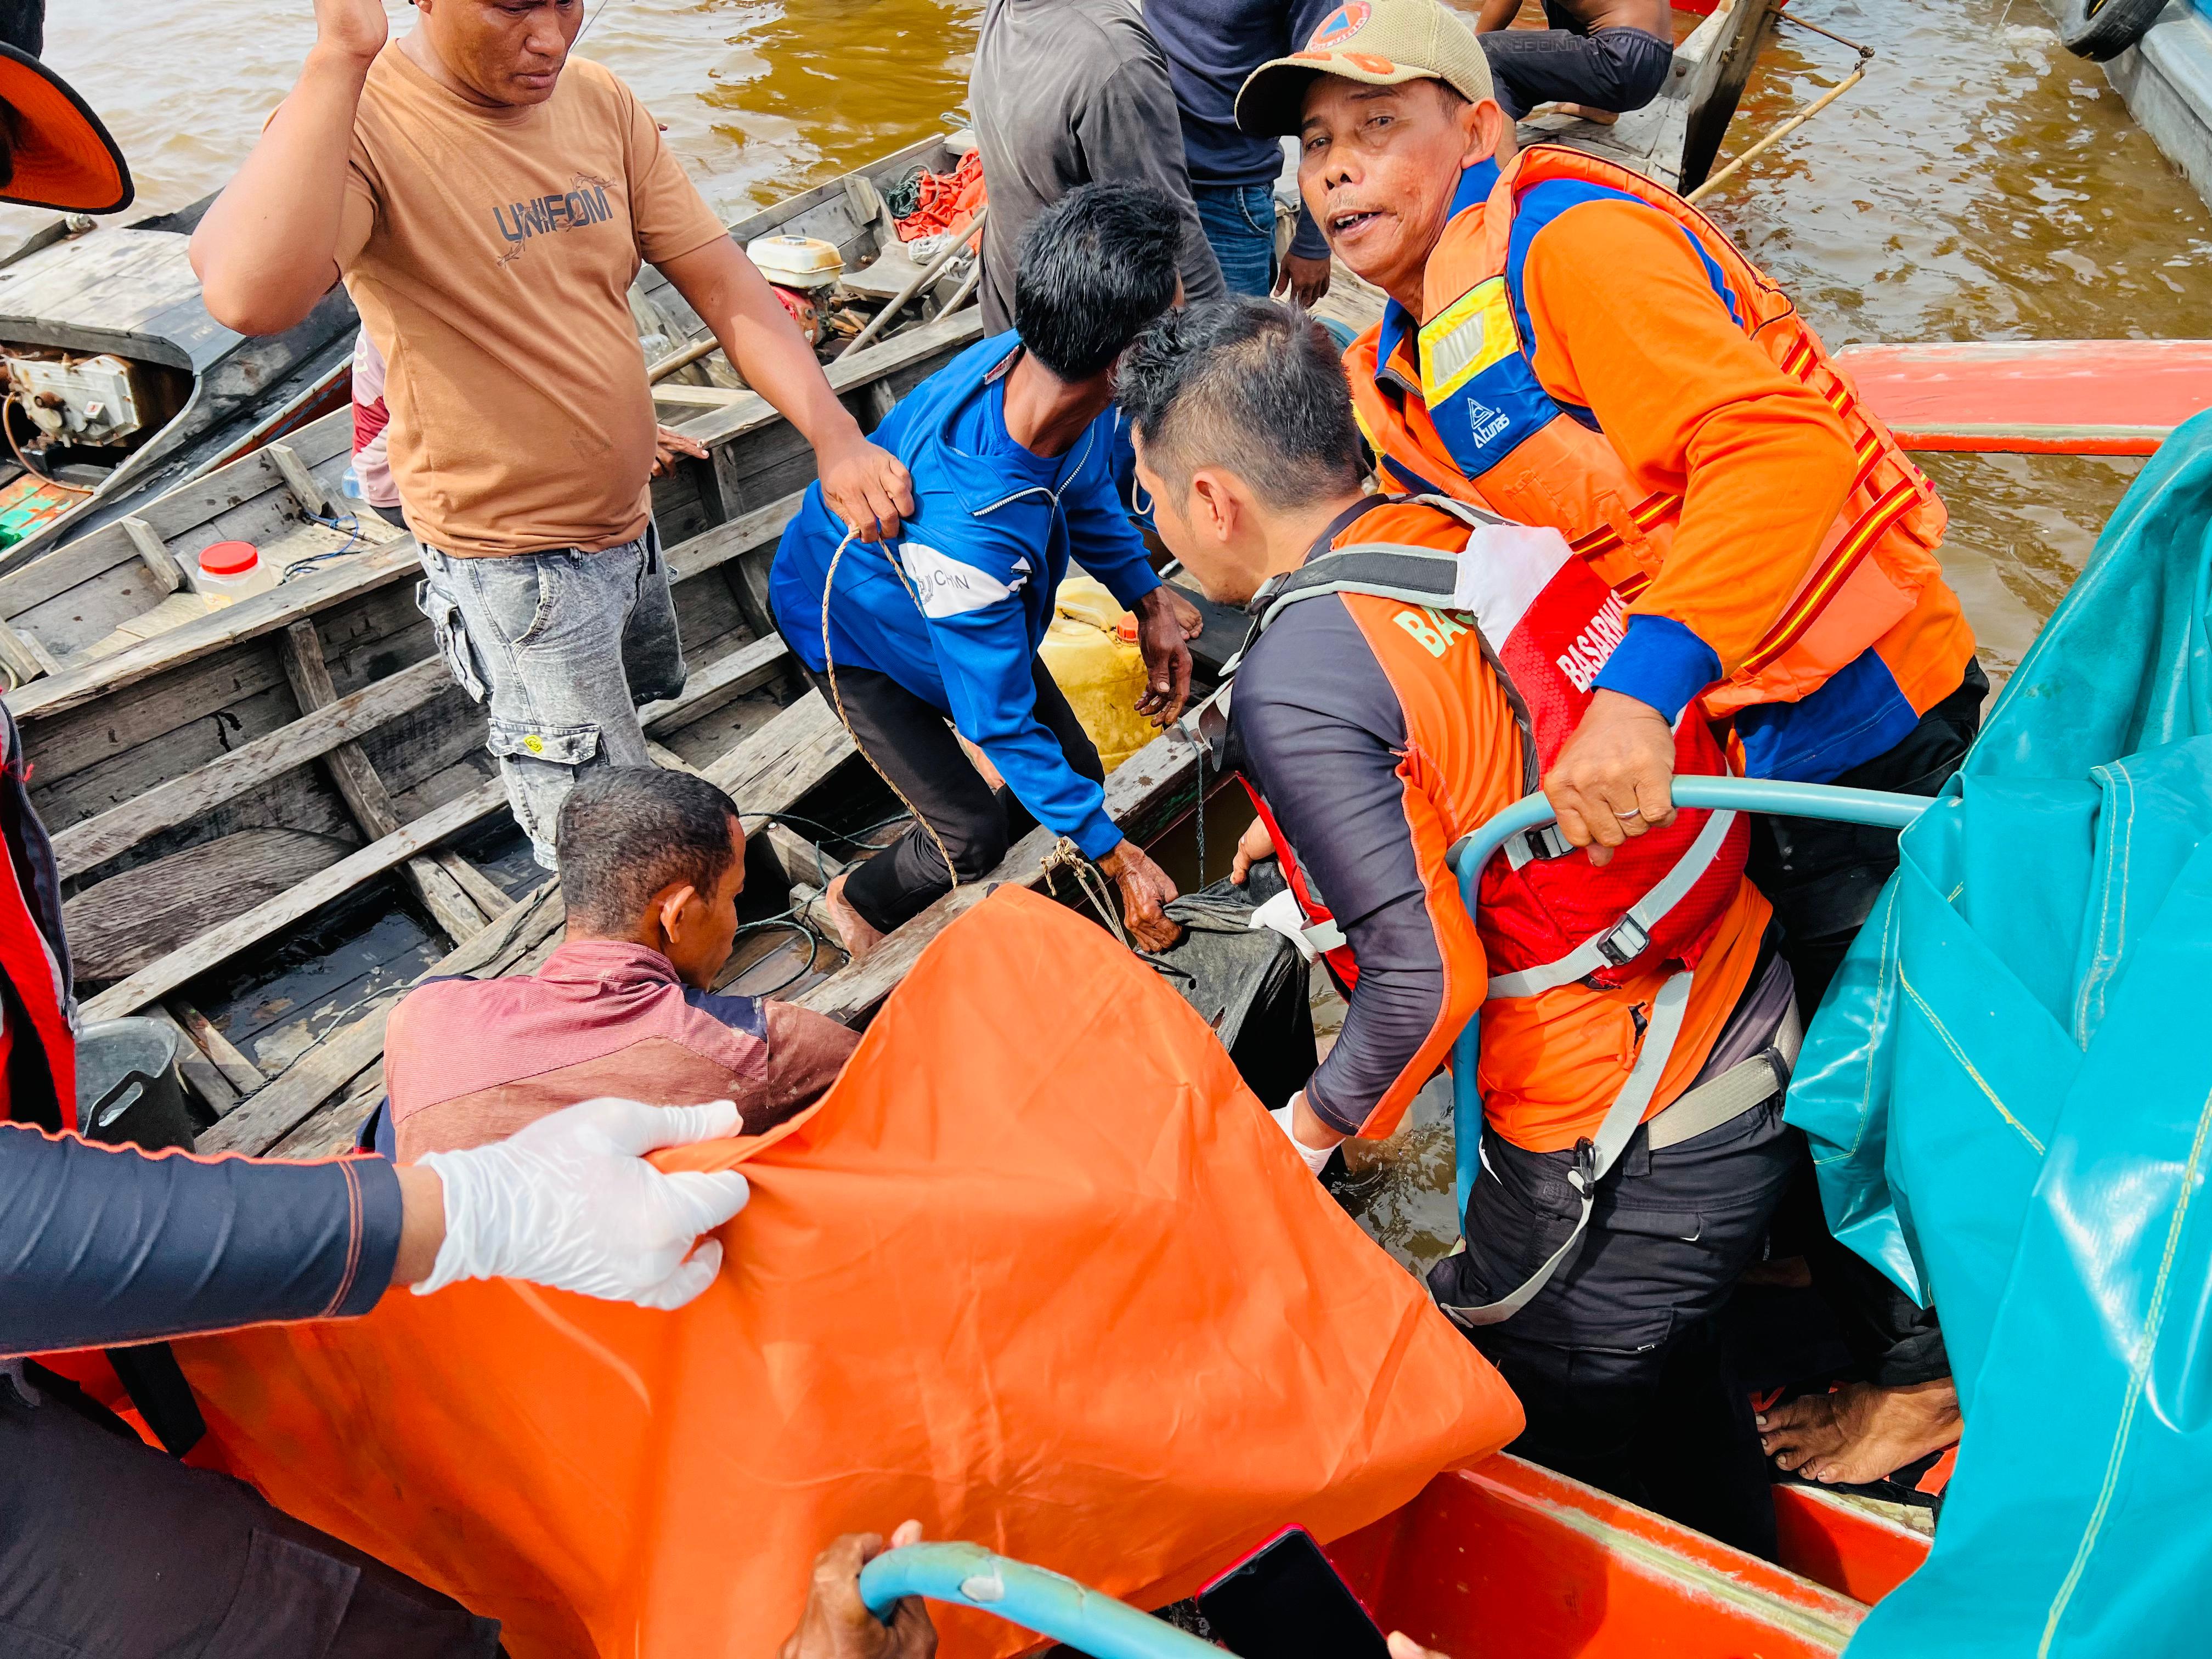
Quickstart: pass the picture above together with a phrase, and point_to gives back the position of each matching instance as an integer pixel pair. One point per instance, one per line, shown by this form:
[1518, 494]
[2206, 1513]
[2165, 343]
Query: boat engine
[101, 401]
[805, 271]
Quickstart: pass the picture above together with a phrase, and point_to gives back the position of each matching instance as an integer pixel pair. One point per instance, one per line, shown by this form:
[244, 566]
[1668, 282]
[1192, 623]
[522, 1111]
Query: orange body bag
[1037, 1271]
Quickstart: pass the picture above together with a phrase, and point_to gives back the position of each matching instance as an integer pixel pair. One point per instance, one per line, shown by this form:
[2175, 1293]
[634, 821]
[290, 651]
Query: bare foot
[1861, 1433]
[1590, 113]
[858, 939]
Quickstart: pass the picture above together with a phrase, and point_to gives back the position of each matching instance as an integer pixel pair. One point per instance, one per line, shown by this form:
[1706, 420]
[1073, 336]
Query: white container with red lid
[234, 570]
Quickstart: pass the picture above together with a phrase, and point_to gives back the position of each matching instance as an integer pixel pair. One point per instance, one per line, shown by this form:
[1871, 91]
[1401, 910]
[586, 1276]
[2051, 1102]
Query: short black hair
[1094, 268]
[627, 832]
[1246, 384]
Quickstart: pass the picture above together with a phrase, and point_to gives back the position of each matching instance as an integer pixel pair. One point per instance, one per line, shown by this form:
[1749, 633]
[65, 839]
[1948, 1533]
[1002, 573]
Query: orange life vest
[1473, 420]
[1509, 608]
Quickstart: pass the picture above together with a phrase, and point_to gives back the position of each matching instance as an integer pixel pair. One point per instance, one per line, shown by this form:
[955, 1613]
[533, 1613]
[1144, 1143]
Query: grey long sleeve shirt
[1065, 93]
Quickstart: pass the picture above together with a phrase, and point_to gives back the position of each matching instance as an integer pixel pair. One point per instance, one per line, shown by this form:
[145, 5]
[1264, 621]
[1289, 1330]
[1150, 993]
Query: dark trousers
[1614, 68]
[1616, 1361]
[911, 741]
[1823, 879]
[109, 1547]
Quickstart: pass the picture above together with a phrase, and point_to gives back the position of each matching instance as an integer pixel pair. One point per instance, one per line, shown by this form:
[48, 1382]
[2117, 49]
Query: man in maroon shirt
[652, 863]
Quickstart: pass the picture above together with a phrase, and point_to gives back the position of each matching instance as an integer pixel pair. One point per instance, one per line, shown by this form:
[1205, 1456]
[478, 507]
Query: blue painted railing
[1796, 800]
[969, 1576]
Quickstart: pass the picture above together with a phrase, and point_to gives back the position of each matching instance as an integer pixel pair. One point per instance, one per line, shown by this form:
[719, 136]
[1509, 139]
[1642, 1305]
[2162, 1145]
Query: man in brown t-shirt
[487, 203]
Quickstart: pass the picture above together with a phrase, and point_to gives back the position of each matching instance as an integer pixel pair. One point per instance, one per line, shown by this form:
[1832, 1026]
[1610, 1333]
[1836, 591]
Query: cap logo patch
[1370, 63]
[1341, 24]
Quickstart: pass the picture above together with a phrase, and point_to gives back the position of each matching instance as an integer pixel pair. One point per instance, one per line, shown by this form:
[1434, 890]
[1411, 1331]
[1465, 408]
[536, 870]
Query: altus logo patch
[1340, 25]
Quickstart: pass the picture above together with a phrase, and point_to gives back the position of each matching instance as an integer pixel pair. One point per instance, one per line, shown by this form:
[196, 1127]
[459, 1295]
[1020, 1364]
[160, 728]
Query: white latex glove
[570, 1201]
[1316, 1157]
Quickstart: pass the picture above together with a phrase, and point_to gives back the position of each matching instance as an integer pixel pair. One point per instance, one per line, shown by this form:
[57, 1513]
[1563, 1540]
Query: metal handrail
[1796, 800]
[969, 1576]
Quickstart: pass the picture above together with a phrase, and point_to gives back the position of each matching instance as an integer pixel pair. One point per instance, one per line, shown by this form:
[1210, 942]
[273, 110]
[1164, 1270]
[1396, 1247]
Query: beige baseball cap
[1384, 43]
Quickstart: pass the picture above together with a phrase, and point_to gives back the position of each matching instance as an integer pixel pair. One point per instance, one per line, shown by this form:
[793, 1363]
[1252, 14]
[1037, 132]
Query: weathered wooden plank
[249, 619]
[343, 1053]
[130, 920]
[242, 1072]
[219, 945]
[746, 669]
[800, 858]
[333, 1129]
[302, 484]
[777, 764]
[300, 649]
[26, 658]
[728, 541]
[87, 844]
[166, 571]
[199, 1073]
[484, 892]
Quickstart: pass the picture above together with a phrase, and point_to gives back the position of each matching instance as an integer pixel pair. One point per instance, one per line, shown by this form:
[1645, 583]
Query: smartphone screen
[1286, 1601]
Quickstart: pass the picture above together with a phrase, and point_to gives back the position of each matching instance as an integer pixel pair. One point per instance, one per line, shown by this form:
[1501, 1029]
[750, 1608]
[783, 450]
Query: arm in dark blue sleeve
[1320, 730]
[102, 1246]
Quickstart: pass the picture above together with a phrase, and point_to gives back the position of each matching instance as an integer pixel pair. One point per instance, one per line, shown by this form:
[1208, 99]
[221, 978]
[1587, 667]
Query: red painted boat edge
[1849, 1548]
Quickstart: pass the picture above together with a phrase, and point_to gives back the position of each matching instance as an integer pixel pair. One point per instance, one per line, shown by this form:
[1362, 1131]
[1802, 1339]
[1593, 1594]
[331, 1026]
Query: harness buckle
[1547, 840]
[1624, 943]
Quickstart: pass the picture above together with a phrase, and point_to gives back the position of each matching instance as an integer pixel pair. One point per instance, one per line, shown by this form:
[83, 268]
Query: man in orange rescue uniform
[1571, 345]
[1412, 664]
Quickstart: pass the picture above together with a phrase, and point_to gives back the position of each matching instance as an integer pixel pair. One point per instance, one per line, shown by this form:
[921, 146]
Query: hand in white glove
[1316, 1157]
[571, 1202]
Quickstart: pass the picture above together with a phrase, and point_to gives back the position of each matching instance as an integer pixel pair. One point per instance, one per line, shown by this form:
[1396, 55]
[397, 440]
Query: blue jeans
[567, 646]
[1239, 220]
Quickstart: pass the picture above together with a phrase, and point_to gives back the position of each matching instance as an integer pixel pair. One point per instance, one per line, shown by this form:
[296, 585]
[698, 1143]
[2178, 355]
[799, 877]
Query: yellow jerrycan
[1090, 648]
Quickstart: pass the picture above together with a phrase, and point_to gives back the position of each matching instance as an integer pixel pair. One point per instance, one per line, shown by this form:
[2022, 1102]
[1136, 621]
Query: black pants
[1614, 68]
[109, 1547]
[913, 745]
[1822, 880]
[1616, 1361]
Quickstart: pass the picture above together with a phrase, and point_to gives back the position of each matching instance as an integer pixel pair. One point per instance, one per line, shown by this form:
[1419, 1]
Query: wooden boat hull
[129, 292]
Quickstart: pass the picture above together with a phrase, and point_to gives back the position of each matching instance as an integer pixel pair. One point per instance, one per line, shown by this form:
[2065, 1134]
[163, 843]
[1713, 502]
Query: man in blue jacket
[1011, 449]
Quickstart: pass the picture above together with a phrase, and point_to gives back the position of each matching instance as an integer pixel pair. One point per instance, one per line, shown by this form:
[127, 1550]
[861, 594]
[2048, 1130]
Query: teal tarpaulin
[2008, 1092]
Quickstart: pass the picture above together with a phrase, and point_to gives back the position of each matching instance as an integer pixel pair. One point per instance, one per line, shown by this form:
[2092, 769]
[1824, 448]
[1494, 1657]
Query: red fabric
[948, 200]
[30, 968]
[368, 420]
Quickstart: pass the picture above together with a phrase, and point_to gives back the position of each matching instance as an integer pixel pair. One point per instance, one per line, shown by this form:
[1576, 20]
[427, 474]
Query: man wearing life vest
[1569, 345]
[1414, 663]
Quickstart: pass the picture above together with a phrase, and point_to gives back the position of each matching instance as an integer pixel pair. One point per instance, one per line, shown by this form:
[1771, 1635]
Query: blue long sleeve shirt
[955, 610]
[1212, 46]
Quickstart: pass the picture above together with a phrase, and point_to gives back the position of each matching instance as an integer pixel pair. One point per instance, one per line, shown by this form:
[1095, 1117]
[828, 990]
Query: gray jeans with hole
[567, 646]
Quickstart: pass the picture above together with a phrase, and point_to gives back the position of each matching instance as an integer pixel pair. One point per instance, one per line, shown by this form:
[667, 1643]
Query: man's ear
[671, 907]
[1219, 513]
[1485, 130]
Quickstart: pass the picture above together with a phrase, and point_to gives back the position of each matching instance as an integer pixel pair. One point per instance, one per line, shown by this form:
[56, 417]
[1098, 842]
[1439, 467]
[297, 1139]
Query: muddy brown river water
[1980, 184]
